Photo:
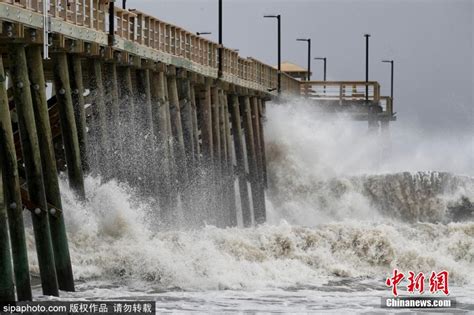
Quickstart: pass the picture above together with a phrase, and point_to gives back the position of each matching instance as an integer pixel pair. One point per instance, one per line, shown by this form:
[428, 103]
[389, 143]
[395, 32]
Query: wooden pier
[90, 88]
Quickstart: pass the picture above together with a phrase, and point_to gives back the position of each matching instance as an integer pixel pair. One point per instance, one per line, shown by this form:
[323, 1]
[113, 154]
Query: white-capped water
[342, 215]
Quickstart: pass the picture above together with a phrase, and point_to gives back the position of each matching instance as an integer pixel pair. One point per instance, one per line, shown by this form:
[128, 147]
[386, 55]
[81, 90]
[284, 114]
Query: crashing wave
[409, 197]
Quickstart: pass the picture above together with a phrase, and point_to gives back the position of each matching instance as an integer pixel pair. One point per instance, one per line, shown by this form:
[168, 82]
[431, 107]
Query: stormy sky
[431, 42]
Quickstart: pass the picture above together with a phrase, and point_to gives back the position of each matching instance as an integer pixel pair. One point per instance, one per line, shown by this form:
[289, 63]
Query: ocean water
[344, 209]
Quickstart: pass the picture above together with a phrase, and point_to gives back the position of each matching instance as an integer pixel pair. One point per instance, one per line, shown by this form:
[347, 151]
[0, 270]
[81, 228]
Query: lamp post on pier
[278, 17]
[325, 61]
[308, 40]
[385, 122]
[391, 77]
[220, 57]
[367, 67]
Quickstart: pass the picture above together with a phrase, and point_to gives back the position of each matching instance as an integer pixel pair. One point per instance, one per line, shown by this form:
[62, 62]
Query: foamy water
[341, 218]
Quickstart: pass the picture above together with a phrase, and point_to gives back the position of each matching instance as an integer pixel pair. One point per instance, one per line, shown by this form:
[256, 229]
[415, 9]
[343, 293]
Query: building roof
[291, 67]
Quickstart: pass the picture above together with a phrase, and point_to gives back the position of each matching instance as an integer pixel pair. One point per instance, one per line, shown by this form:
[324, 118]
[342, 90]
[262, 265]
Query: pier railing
[144, 36]
[341, 90]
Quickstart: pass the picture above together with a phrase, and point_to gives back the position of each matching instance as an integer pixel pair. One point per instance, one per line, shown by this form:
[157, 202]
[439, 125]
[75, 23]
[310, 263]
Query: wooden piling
[258, 210]
[258, 156]
[99, 122]
[32, 159]
[159, 113]
[207, 149]
[127, 110]
[7, 288]
[160, 118]
[77, 87]
[205, 109]
[146, 158]
[179, 158]
[261, 106]
[68, 123]
[216, 168]
[12, 192]
[373, 120]
[228, 163]
[144, 92]
[197, 150]
[112, 113]
[215, 126]
[184, 92]
[48, 162]
[112, 103]
[175, 113]
[240, 159]
[127, 124]
[222, 131]
[385, 128]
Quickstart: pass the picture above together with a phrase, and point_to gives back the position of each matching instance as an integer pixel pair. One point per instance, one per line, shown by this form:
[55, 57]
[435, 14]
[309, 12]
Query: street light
[367, 66]
[308, 40]
[278, 17]
[124, 4]
[391, 77]
[220, 57]
[203, 33]
[325, 61]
